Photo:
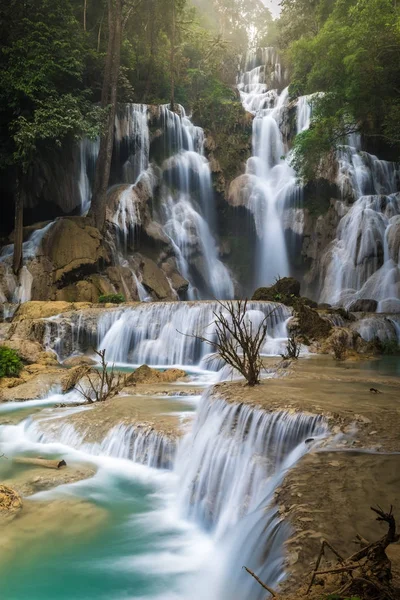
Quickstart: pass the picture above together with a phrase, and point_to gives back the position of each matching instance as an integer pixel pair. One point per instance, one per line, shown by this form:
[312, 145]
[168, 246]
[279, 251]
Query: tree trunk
[84, 14]
[173, 25]
[151, 26]
[18, 228]
[108, 98]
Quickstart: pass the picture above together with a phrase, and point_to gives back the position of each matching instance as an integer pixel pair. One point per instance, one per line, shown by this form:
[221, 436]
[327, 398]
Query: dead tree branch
[369, 569]
[103, 383]
[266, 587]
[236, 340]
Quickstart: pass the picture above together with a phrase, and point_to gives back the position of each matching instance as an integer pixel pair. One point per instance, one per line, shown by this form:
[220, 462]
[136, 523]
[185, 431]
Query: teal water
[140, 548]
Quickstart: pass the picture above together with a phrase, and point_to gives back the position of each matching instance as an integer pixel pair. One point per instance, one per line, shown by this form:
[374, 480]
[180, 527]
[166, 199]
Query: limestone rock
[311, 324]
[154, 280]
[146, 374]
[28, 351]
[42, 310]
[10, 500]
[284, 290]
[364, 305]
[76, 361]
[393, 239]
[72, 244]
[241, 189]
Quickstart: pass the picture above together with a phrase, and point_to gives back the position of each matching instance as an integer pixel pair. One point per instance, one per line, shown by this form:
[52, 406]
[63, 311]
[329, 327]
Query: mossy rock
[286, 291]
[311, 324]
[286, 288]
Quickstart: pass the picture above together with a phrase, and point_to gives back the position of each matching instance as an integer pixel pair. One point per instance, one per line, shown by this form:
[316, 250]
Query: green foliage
[350, 51]
[389, 347]
[42, 94]
[111, 298]
[10, 362]
[337, 597]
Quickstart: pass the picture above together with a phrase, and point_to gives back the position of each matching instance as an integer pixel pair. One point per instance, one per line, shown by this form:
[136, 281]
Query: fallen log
[41, 462]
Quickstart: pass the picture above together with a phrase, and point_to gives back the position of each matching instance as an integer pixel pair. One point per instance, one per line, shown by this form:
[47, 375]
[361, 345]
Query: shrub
[111, 298]
[10, 362]
[390, 347]
[293, 347]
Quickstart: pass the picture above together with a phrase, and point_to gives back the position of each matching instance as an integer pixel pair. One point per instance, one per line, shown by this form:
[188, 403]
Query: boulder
[286, 288]
[29, 351]
[10, 500]
[87, 290]
[146, 374]
[72, 244]
[241, 189]
[154, 280]
[393, 238]
[179, 283]
[311, 324]
[77, 361]
[363, 305]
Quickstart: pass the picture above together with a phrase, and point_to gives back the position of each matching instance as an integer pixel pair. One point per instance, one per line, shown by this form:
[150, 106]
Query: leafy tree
[350, 50]
[42, 99]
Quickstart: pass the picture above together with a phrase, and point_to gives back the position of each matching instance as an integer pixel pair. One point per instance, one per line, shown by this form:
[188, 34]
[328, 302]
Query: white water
[19, 288]
[150, 333]
[133, 140]
[274, 188]
[209, 514]
[360, 262]
[188, 210]
[88, 152]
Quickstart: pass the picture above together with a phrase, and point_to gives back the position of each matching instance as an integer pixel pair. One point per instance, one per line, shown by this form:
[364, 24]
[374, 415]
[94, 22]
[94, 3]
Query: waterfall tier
[157, 333]
[228, 467]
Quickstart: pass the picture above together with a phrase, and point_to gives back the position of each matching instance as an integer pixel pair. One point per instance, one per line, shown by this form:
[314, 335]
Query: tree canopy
[350, 51]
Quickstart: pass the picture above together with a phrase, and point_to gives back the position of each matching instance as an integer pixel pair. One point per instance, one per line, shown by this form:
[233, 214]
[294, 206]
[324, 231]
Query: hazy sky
[273, 6]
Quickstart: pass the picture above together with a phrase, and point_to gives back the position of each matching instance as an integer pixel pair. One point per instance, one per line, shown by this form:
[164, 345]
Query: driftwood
[41, 462]
[368, 569]
[264, 585]
[365, 574]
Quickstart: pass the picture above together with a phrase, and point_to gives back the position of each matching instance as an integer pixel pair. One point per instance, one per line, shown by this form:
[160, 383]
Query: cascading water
[88, 152]
[273, 183]
[228, 467]
[197, 523]
[184, 208]
[19, 288]
[132, 141]
[188, 210]
[363, 260]
[149, 333]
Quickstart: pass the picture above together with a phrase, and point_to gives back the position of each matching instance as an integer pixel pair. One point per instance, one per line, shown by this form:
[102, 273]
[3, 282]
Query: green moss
[111, 298]
[10, 362]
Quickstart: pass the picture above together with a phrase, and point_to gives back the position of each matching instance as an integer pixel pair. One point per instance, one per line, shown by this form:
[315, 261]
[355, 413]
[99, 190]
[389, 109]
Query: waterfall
[188, 211]
[304, 110]
[88, 152]
[19, 288]
[274, 190]
[132, 140]
[383, 328]
[149, 333]
[229, 467]
[138, 443]
[360, 262]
